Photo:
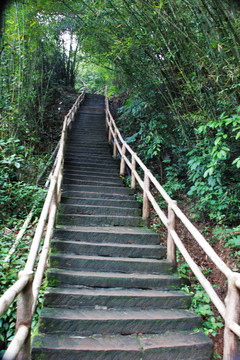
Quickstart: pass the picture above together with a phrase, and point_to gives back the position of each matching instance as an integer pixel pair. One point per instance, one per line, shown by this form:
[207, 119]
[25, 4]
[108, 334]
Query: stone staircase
[111, 294]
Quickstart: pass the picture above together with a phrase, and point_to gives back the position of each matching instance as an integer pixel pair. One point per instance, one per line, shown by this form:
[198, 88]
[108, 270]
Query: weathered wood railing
[230, 311]
[28, 285]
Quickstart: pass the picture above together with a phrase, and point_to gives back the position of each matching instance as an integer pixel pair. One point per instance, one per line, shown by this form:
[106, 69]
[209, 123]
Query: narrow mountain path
[111, 294]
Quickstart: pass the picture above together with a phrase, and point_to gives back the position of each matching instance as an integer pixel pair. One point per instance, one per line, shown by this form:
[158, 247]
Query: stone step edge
[139, 343]
[112, 259]
[98, 274]
[100, 315]
[80, 206]
[110, 230]
[138, 246]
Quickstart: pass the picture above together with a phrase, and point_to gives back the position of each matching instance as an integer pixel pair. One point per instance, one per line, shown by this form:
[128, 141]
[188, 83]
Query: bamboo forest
[171, 72]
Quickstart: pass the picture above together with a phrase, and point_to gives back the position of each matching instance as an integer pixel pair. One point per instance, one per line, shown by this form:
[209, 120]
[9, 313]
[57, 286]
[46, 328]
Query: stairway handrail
[230, 311]
[28, 285]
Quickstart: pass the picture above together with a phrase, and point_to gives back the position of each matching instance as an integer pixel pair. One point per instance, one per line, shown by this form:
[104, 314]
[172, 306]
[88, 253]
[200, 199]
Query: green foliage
[16, 195]
[8, 275]
[216, 191]
[201, 305]
[231, 237]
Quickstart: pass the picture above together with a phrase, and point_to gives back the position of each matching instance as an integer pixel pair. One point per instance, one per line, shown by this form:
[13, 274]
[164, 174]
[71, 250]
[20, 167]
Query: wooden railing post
[123, 162]
[133, 179]
[171, 247]
[115, 145]
[146, 207]
[24, 315]
[106, 117]
[232, 314]
[109, 135]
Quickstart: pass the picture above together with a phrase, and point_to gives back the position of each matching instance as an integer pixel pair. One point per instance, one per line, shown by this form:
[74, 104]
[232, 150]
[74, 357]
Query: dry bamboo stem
[201, 278]
[171, 247]
[133, 178]
[39, 231]
[114, 145]
[29, 217]
[8, 297]
[146, 188]
[203, 243]
[24, 316]
[235, 328]
[123, 163]
[49, 161]
[109, 135]
[17, 343]
[232, 302]
[44, 254]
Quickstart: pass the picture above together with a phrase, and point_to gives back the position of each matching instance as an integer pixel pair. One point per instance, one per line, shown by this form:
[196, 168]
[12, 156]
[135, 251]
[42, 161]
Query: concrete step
[86, 322]
[108, 168]
[108, 249]
[115, 298]
[99, 220]
[121, 235]
[104, 155]
[110, 264]
[100, 279]
[95, 195]
[98, 202]
[88, 174]
[101, 182]
[103, 189]
[92, 172]
[91, 161]
[185, 345]
[76, 209]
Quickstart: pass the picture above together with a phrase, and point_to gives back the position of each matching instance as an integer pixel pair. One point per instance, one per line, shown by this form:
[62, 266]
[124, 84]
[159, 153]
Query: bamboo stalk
[114, 145]
[24, 316]
[203, 243]
[201, 278]
[235, 328]
[40, 227]
[146, 188]
[232, 302]
[8, 297]
[123, 162]
[30, 215]
[17, 343]
[171, 247]
[133, 178]
[44, 254]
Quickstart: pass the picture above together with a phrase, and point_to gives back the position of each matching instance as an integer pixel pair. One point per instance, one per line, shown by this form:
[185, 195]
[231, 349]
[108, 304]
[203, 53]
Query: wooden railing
[28, 285]
[230, 311]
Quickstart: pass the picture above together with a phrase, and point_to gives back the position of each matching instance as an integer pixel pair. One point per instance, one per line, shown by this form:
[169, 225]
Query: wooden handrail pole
[123, 162]
[232, 314]
[109, 135]
[171, 247]
[115, 145]
[133, 178]
[24, 315]
[146, 206]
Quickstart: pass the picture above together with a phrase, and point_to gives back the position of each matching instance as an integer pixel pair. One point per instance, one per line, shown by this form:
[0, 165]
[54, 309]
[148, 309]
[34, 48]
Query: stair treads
[106, 264]
[108, 249]
[110, 279]
[124, 235]
[115, 298]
